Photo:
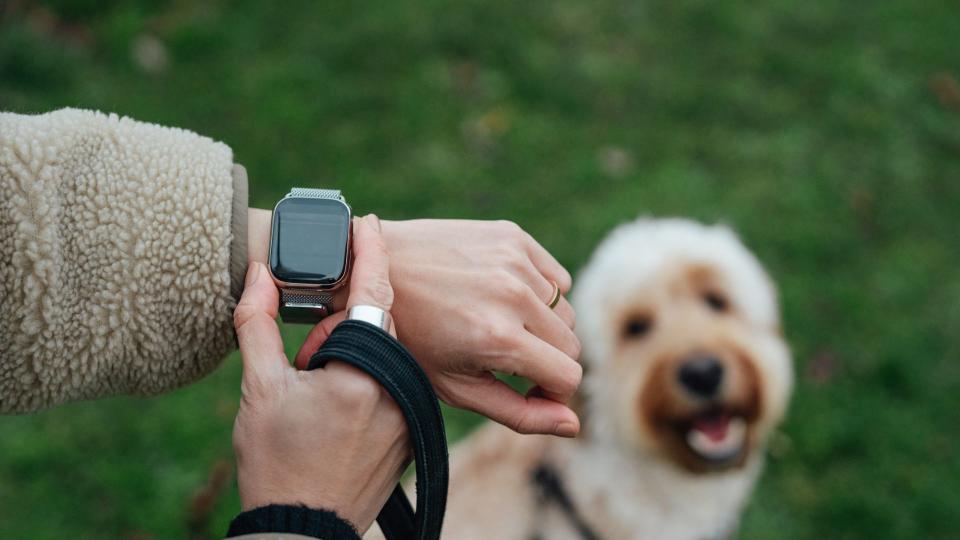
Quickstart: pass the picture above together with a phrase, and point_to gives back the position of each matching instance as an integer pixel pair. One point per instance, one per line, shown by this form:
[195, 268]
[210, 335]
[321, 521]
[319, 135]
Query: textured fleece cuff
[116, 239]
[278, 518]
[238, 227]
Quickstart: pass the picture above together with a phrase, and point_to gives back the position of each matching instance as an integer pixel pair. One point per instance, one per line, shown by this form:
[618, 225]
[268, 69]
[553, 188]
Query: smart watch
[309, 252]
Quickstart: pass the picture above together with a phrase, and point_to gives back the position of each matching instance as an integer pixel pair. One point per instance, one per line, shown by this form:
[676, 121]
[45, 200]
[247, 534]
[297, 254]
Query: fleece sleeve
[122, 251]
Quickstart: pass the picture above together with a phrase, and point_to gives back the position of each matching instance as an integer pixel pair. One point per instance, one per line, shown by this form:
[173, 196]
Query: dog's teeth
[730, 444]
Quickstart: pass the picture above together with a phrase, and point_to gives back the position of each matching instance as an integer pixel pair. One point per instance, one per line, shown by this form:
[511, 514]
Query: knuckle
[516, 261]
[447, 393]
[243, 313]
[358, 390]
[510, 229]
[572, 376]
[392, 411]
[450, 398]
[502, 335]
[564, 281]
[381, 290]
[522, 423]
[503, 276]
[503, 283]
[502, 251]
[379, 247]
[514, 289]
[239, 317]
[571, 319]
[573, 347]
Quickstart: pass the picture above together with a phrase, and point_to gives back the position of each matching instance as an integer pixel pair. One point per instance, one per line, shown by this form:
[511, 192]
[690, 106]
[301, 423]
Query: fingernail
[253, 272]
[567, 429]
[374, 221]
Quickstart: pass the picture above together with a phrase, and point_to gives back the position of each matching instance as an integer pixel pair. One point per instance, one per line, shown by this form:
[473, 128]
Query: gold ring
[555, 299]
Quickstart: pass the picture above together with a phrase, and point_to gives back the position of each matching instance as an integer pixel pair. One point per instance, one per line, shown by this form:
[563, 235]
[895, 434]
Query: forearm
[258, 234]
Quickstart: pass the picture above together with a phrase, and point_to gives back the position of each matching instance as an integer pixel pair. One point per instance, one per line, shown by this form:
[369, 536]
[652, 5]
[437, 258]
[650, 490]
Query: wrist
[258, 234]
[390, 231]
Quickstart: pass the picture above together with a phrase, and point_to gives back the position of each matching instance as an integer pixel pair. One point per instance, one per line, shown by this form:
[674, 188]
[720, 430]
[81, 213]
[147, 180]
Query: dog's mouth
[717, 436]
[713, 439]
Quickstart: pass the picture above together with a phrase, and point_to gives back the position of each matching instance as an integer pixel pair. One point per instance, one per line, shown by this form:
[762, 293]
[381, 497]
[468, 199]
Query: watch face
[308, 243]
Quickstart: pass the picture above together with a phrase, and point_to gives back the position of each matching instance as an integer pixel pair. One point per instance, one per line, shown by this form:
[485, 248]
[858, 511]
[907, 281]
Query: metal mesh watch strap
[305, 297]
[314, 193]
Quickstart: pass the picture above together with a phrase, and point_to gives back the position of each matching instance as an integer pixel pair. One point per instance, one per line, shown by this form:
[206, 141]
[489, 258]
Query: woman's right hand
[330, 438]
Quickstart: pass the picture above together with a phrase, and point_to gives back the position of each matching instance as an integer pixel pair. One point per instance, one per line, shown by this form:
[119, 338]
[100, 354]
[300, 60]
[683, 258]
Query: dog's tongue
[714, 426]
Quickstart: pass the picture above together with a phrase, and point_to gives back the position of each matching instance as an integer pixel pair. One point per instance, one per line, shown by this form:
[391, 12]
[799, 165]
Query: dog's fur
[654, 295]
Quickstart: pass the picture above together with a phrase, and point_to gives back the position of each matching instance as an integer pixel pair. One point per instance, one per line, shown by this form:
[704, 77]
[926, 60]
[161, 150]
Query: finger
[545, 323]
[564, 310]
[318, 336]
[546, 366]
[257, 331]
[548, 265]
[524, 414]
[369, 284]
[544, 290]
[370, 279]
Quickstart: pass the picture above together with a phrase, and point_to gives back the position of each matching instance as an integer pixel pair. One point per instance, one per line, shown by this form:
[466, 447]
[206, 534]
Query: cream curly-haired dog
[687, 374]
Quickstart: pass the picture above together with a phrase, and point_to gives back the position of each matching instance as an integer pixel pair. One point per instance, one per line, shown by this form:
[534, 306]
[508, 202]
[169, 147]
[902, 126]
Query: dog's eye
[637, 326]
[716, 301]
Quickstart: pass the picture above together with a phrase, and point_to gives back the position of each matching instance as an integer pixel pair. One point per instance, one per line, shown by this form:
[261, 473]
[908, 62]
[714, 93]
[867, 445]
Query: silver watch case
[312, 302]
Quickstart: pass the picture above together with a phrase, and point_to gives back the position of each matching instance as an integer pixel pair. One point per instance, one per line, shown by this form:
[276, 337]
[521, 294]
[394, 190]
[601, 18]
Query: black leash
[371, 349]
[551, 490]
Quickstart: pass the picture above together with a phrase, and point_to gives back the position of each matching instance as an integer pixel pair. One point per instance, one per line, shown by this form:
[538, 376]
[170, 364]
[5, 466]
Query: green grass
[812, 127]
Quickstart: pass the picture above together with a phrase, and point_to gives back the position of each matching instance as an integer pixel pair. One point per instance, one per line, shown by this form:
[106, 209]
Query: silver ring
[371, 314]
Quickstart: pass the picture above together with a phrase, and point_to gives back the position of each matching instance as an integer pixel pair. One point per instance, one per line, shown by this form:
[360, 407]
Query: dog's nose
[701, 375]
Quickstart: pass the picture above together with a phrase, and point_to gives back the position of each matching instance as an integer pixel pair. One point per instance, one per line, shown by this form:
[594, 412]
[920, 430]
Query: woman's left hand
[472, 300]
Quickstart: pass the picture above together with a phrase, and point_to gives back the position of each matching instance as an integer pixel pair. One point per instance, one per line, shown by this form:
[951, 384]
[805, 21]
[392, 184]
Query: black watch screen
[308, 243]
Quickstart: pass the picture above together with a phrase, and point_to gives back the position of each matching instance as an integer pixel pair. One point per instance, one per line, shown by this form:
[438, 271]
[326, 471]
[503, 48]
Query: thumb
[370, 279]
[257, 331]
[369, 284]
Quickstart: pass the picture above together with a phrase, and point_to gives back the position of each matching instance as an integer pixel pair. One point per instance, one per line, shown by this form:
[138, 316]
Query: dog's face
[682, 345]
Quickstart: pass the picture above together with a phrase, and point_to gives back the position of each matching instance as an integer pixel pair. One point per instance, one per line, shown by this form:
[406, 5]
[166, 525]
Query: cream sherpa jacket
[122, 254]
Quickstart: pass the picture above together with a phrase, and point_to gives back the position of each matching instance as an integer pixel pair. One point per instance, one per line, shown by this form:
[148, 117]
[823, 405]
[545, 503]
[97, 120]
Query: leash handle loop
[375, 352]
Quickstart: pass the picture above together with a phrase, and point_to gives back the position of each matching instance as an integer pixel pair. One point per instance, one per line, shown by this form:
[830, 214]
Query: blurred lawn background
[826, 132]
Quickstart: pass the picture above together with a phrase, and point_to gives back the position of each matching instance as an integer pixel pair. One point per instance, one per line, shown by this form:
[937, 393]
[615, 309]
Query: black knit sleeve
[279, 518]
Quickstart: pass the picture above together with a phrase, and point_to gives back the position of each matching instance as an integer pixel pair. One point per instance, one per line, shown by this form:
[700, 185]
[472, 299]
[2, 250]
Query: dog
[687, 374]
